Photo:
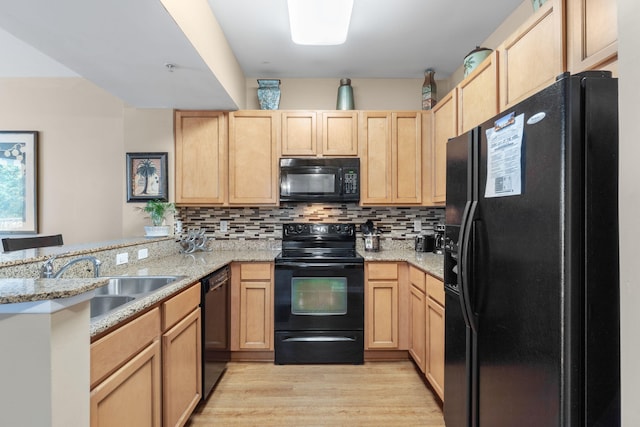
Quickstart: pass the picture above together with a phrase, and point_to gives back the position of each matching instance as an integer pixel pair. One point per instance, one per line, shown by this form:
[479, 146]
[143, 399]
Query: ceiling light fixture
[319, 22]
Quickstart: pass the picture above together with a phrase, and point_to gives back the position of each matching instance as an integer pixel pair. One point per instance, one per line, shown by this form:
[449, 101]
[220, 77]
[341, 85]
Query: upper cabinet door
[478, 95]
[253, 157]
[406, 152]
[201, 157]
[375, 157]
[534, 55]
[444, 126]
[339, 133]
[592, 34]
[299, 133]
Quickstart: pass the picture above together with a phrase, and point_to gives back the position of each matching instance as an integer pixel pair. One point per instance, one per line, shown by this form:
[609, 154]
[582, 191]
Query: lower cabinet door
[435, 351]
[418, 323]
[182, 370]
[131, 396]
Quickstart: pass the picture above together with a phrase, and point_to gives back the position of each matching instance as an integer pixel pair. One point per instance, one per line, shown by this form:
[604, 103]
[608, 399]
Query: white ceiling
[123, 45]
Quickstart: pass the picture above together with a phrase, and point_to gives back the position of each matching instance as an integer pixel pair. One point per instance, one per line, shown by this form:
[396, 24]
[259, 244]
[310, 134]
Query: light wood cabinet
[181, 356]
[417, 317]
[478, 95]
[391, 158]
[592, 34]
[299, 133]
[253, 157]
[444, 126]
[201, 157]
[381, 306]
[319, 133]
[252, 306]
[435, 334]
[125, 375]
[534, 55]
[339, 133]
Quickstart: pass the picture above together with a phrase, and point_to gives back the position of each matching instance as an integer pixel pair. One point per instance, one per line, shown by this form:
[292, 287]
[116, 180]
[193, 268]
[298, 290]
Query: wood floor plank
[373, 394]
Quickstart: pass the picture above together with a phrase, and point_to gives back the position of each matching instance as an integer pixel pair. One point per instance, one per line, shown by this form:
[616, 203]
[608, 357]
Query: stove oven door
[319, 312]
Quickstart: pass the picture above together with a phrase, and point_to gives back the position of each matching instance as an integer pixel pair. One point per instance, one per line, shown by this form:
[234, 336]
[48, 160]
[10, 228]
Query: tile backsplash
[259, 223]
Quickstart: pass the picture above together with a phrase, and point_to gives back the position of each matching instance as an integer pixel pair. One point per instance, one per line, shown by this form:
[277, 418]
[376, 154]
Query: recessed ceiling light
[319, 22]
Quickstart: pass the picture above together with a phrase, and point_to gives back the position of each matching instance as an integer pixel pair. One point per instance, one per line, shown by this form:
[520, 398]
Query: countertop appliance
[531, 262]
[425, 243]
[216, 346]
[319, 295]
[320, 180]
[438, 240]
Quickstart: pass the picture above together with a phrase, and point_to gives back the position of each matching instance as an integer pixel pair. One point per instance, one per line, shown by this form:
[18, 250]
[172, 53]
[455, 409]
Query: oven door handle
[318, 339]
[319, 264]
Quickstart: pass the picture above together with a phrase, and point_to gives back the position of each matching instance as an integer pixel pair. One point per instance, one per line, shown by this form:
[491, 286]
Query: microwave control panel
[351, 182]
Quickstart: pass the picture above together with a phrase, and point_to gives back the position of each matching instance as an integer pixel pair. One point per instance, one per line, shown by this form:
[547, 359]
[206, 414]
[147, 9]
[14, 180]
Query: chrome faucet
[47, 268]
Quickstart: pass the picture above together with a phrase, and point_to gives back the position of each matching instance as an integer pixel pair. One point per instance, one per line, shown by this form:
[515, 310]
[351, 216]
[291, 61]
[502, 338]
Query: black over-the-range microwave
[320, 179]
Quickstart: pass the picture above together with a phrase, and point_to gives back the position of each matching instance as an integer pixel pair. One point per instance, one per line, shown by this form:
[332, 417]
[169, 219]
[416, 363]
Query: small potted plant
[158, 212]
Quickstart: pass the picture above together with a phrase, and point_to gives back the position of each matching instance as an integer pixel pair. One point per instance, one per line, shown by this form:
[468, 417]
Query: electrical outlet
[224, 226]
[417, 225]
[143, 253]
[122, 258]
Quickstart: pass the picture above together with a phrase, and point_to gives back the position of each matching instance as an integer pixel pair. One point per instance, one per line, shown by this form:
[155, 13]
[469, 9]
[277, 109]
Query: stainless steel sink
[134, 285]
[105, 303]
[123, 290]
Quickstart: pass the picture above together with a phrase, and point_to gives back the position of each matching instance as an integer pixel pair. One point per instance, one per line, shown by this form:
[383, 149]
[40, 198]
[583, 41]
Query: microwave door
[310, 183]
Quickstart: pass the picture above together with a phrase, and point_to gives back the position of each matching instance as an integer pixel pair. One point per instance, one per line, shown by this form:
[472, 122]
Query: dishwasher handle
[216, 280]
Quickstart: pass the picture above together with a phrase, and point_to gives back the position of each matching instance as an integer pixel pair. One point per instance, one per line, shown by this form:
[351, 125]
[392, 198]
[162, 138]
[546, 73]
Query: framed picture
[147, 177]
[18, 182]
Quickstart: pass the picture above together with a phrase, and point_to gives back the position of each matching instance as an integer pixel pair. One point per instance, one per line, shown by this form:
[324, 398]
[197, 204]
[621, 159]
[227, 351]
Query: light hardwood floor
[373, 394]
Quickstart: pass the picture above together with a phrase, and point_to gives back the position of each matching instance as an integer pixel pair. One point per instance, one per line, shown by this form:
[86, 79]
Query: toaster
[425, 243]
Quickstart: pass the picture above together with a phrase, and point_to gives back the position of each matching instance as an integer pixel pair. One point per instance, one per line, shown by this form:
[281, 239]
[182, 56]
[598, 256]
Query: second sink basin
[134, 285]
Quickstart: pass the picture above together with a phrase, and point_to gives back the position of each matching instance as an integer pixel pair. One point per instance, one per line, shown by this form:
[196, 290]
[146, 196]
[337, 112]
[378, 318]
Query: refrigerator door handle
[462, 282]
[466, 268]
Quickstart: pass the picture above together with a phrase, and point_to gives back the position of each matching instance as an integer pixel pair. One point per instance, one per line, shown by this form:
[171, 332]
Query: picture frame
[19, 175]
[147, 177]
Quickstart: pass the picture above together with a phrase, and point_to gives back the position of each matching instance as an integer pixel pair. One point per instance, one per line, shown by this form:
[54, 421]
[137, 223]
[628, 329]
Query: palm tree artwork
[145, 170]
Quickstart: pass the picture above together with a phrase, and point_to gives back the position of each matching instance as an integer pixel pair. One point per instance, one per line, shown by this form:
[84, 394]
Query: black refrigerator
[531, 262]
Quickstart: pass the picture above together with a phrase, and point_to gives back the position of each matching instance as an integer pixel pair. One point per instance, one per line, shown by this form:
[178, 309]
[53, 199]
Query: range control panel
[325, 231]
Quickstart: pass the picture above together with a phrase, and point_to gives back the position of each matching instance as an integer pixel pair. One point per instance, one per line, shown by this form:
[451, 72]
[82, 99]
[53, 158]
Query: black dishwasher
[215, 328]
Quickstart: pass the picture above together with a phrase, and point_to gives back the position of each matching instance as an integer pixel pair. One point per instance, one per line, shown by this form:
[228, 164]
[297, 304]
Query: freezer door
[518, 242]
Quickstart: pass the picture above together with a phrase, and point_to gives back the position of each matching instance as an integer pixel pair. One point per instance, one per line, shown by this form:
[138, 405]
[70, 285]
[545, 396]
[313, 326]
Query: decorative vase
[537, 4]
[474, 58]
[345, 95]
[269, 94]
[429, 90]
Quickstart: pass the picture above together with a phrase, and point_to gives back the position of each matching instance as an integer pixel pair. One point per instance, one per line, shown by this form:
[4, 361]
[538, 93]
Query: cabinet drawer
[113, 350]
[255, 271]
[417, 278]
[382, 271]
[435, 289]
[179, 306]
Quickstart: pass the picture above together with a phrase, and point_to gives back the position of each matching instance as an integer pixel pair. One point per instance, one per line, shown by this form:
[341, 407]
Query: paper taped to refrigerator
[504, 157]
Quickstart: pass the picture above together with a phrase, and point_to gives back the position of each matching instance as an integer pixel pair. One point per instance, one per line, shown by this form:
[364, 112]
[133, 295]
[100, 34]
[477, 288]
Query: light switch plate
[122, 258]
[417, 225]
[224, 226]
[143, 253]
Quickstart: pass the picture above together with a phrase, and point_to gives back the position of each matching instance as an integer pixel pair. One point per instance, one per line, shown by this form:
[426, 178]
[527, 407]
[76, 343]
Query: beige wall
[80, 153]
[629, 193]
[84, 134]
[368, 94]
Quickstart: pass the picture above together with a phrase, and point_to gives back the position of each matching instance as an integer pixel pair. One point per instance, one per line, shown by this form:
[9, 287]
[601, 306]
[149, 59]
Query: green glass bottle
[345, 95]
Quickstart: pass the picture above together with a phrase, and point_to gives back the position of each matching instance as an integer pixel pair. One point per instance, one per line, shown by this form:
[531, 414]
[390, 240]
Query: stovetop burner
[319, 242]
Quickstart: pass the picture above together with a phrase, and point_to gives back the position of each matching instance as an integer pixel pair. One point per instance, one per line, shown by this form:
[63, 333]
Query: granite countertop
[427, 261]
[192, 266]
